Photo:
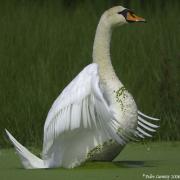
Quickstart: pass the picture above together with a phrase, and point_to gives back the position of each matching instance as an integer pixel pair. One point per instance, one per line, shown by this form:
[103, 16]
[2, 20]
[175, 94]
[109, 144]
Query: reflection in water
[120, 164]
[135, 164]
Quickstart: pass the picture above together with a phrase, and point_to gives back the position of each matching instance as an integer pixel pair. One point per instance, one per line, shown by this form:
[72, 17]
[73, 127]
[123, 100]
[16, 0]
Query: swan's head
[119, 15]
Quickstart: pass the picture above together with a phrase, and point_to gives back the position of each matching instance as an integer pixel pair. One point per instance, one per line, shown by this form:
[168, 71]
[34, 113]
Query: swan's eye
[125, 12]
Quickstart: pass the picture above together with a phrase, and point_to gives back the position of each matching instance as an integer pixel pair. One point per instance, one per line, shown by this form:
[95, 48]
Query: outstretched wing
[145, 125]
[81, 105]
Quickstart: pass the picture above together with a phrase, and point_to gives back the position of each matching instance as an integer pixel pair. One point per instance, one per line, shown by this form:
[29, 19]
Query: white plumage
[94, 116]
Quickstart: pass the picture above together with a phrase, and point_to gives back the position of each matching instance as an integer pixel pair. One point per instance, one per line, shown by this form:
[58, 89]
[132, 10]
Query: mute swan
[95, 116]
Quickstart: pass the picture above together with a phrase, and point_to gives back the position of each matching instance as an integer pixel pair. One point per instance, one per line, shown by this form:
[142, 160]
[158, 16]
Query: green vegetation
[44, 45]
[133, 162]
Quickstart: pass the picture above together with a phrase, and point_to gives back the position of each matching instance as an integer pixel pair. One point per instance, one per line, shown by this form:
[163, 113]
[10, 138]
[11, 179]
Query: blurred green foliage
[45, 44]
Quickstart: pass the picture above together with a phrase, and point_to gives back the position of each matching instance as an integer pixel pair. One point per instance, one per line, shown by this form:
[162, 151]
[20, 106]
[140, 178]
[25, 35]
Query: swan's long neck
[101, 52]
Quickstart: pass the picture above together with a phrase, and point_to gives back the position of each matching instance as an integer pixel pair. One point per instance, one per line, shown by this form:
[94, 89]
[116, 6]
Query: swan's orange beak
[131, 17]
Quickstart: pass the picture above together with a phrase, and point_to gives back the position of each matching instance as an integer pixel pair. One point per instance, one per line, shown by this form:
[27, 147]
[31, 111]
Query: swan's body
[95, 116]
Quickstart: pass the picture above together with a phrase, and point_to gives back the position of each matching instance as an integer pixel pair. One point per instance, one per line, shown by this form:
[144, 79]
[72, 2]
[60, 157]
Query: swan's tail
[29, 160]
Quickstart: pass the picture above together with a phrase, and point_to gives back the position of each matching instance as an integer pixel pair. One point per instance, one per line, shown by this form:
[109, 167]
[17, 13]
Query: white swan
[95, 116]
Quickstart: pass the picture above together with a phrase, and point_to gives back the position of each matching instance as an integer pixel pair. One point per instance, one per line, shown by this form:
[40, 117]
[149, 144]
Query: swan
[95, 116]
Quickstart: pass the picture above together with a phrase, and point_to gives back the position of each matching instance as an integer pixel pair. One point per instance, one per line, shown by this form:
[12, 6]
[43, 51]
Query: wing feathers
[80, 105]
[144, 126]
[143, 132]
[147, 123]
[148, 117]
